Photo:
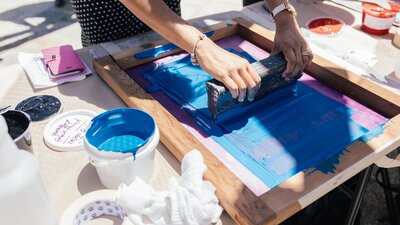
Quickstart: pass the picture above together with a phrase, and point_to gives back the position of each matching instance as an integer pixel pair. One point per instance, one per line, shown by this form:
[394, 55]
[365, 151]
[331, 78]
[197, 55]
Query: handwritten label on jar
[70, 130]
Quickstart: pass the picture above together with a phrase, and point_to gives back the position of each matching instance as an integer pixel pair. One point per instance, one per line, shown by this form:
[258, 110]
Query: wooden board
[299, 191]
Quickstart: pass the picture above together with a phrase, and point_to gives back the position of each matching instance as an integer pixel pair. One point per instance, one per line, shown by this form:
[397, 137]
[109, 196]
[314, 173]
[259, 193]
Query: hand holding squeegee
[270, 70]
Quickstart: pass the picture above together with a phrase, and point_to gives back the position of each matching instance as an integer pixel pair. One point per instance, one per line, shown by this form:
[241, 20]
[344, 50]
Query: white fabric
[189, 199]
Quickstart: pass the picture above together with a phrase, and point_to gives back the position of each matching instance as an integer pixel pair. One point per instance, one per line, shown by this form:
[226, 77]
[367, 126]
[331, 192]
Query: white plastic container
[23, 198]
[114, 168]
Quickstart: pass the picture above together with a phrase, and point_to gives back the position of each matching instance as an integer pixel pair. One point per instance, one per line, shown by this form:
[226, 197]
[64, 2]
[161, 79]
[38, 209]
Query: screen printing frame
[288, 198]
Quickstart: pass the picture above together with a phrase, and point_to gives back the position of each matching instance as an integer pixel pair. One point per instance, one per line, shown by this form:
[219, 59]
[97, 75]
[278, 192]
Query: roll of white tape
[93, 205]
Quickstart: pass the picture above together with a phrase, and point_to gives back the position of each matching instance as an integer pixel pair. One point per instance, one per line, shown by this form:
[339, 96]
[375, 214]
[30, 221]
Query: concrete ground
[30, 25]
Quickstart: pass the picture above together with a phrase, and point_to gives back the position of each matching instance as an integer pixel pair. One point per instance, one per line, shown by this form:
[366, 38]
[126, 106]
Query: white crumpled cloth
[189, 199]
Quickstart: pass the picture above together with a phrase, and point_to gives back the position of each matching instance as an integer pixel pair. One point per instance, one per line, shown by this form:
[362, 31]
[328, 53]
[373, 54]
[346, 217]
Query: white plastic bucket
[113, 167]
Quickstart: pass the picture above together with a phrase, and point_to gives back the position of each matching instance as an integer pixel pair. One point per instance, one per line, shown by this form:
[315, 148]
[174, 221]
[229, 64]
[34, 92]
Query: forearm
[159, 17]
[288, 39]
[235, 72]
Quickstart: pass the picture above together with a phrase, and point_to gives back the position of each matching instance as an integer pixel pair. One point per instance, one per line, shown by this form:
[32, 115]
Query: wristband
[284, 6]
[193, 58]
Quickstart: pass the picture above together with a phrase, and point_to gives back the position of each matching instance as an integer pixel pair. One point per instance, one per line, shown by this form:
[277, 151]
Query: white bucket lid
[66, 131]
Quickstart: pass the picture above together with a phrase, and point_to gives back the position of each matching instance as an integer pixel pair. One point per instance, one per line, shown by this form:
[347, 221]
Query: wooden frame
[283, 201]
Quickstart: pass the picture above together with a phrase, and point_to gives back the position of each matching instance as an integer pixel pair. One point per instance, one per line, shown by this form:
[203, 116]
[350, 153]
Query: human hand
[235, 72]
[289, 40]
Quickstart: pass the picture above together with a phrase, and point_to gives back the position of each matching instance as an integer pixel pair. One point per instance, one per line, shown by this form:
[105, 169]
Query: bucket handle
[96, 163]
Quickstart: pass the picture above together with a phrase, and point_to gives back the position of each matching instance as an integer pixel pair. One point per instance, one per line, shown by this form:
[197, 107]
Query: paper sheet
[367, 56]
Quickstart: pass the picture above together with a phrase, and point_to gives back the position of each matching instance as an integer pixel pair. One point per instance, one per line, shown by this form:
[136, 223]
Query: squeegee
[270, 70]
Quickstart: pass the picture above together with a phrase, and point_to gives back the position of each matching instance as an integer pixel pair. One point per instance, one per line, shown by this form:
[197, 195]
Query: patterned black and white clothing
[109, 20]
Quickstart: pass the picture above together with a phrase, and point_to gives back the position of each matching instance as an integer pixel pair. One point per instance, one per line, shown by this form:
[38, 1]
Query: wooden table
[68, 175]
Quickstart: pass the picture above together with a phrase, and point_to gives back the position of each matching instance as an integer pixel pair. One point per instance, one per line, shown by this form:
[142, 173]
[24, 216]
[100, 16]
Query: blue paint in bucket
[122, 130]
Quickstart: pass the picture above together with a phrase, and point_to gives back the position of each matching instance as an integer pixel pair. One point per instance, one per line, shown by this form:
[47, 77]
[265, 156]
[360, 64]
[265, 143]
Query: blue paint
[209, 33]
[292, 130]
[122, 143]
[155, 52]
[158, 50]
[329, 165]
[185, 83]
[122, 130]
[373, 133]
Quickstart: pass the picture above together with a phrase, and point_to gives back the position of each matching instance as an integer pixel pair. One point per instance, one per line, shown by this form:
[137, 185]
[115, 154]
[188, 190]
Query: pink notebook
[62, 61]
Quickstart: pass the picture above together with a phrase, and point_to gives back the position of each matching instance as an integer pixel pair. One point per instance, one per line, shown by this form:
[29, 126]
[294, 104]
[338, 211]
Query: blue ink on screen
[156, 51]
[329, 164]
[291, 130]
[373, 133]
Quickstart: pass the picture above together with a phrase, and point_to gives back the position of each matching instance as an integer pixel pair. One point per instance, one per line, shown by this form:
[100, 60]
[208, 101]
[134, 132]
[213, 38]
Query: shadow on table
[388, 36]
[96, 92]
[88, 180]
[37, 19]
[390, 80]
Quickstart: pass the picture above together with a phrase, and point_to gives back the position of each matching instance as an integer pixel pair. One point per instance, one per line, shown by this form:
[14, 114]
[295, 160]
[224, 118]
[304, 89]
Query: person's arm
[289, 40]
[235, 72]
